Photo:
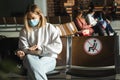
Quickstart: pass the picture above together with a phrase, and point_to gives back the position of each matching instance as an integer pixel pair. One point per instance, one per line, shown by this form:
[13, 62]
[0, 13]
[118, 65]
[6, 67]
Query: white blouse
[91, 20]
[47, 38]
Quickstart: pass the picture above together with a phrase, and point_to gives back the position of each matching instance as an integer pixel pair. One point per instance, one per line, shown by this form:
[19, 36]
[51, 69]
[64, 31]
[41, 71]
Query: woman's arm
[55, 44]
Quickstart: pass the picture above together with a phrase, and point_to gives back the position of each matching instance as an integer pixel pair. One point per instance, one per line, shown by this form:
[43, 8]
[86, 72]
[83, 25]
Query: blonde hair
[34, 9]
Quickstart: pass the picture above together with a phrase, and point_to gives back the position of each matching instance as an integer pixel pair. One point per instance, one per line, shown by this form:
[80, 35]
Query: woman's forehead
[31, 14]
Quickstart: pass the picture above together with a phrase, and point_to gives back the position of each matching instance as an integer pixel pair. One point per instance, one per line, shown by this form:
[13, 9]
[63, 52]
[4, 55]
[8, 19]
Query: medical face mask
[33, 22]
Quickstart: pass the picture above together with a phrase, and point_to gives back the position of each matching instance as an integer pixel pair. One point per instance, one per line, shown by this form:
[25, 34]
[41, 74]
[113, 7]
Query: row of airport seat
[19, 20]
[75, 60]
[7, 23]
[64, 24]
[10, 23]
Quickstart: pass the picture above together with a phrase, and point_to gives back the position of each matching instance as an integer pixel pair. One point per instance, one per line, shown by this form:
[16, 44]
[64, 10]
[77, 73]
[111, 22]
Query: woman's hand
[20, 54]
[33, 48]
[108, 21]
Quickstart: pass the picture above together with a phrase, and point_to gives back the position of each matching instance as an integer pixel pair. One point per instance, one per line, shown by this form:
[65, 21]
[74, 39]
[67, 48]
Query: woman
[39, 44]
[105, 22]
[83, 27]
[94, 23]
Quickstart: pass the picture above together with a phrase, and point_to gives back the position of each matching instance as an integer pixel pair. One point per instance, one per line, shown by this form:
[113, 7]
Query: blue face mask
[33, 22]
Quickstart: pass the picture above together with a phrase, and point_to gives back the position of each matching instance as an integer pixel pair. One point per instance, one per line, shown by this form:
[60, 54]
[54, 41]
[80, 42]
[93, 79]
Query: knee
[27, 58]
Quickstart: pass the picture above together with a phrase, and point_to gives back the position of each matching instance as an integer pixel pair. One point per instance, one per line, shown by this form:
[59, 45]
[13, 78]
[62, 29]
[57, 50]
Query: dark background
[14, 7]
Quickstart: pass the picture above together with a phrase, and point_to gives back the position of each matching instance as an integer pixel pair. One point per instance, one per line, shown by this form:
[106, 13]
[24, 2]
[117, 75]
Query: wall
[42, 5]
[49, 7]
[13, 7]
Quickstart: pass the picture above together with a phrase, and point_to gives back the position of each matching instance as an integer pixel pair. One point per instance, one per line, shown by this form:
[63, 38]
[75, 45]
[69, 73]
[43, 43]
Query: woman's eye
[33, 18]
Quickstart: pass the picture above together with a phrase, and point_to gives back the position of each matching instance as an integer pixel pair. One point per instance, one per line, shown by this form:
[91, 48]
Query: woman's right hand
[34, 50]
[20, 54]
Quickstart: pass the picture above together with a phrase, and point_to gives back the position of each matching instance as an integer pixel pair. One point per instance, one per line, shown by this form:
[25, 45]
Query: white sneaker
[111, 34]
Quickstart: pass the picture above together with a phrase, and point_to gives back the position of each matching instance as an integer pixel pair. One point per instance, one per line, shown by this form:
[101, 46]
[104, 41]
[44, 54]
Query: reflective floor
[62, 76]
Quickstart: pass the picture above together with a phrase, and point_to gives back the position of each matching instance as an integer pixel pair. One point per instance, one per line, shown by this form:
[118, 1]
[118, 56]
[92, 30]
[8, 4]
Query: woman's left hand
[33, 48]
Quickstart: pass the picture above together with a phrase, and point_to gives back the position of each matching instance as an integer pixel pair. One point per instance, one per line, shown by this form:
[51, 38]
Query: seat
[67, 29]
[61, 60]
[10, 24]
[97, 63]
[52, 73]
[10, 21]
[2, 22]
[12, 46]
[19, 22]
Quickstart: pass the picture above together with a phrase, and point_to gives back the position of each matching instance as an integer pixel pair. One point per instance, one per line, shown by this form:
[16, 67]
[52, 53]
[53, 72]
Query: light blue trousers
[37, 67]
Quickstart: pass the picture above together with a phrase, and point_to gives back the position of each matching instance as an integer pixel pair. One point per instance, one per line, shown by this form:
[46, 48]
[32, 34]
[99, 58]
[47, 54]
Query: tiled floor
[57, 77]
